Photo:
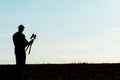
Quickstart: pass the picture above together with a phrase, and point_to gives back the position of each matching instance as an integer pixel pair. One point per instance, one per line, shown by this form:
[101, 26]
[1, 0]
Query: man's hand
[31, 42]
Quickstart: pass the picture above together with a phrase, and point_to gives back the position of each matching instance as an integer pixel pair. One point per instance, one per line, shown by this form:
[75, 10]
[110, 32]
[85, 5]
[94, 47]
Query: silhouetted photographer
[20, 44]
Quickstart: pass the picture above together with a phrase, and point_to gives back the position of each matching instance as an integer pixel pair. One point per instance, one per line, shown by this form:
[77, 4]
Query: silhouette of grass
[64, 72]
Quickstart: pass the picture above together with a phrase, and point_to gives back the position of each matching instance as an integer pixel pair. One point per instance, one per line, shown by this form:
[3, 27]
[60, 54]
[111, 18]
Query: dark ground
[64, 72]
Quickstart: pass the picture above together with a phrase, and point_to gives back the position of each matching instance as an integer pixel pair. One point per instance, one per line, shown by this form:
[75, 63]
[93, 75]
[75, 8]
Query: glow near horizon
[68, 31]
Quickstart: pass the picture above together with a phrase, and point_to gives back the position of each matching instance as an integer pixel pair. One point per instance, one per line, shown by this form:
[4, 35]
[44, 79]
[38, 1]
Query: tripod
[33, 37]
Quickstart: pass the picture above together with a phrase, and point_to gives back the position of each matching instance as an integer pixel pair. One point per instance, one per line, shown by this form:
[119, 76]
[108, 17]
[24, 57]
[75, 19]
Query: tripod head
[33, 36]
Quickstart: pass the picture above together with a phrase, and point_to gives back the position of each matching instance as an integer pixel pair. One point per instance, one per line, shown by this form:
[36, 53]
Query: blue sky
[68, 31]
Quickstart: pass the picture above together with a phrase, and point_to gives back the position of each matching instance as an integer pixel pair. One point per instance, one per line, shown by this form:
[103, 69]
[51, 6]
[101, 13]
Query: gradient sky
[68, 31]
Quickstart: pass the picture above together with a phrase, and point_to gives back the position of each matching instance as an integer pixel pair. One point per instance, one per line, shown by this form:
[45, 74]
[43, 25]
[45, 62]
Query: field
[64, 72]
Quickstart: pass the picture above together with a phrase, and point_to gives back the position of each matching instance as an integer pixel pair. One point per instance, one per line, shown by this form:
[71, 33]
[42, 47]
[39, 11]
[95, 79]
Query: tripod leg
[30, 49]
[27, 48]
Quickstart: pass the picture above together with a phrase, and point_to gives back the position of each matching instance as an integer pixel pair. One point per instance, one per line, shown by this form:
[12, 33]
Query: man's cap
[21, 27]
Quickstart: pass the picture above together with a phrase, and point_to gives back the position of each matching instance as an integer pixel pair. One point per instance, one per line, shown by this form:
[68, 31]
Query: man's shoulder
[18, 34]
[15, 34]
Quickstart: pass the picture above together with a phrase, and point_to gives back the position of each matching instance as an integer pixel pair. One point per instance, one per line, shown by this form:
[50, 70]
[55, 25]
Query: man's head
[21, 28]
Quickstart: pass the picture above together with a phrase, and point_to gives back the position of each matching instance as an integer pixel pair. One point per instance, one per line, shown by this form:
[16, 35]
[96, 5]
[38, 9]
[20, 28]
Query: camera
[33, 36]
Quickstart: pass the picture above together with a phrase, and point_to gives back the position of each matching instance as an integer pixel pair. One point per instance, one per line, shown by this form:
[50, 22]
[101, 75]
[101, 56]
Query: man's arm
[26, 42]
